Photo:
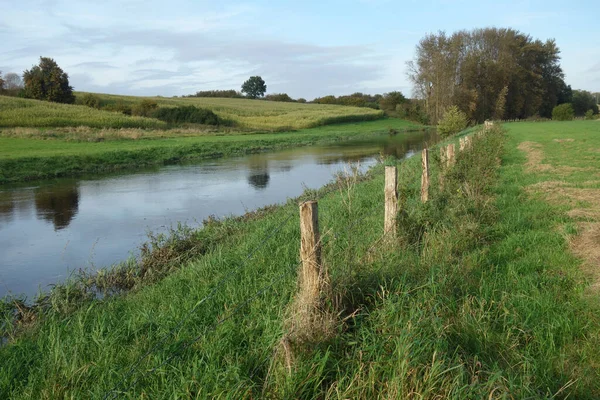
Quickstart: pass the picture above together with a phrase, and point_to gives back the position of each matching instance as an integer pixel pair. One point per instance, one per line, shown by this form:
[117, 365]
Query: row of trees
[488, 73]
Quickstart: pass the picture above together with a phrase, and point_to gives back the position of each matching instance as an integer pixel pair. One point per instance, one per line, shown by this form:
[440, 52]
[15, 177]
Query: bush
[563, 112]
[144, 109]
[301, 100]
[589, 114]
[90, 100]
[279, 97]
[118, 106]
[453, 122]
[187, 114]
[231, 94]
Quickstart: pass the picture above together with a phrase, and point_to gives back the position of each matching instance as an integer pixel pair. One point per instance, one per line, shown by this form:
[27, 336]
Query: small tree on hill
[47, 81]
[254, 87]
[452, 122]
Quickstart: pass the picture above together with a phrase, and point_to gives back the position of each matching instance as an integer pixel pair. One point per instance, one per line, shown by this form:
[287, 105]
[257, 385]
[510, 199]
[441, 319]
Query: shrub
[90, 100]
[232, 94]
[187, 114]
[118, 106]
[563, 112]
[145, 108]
[279, 97]
[453, 122]
[301, 100]
[589, 114]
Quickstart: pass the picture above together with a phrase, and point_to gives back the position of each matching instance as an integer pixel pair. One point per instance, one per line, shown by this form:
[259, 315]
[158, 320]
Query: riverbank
[31, 158]
[478, 298]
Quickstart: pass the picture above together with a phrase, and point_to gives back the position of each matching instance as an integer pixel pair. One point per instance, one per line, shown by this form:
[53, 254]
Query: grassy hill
[242, 113]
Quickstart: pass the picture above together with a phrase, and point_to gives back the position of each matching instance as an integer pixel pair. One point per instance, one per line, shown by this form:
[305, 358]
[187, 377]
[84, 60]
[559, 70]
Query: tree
[583, 101]
[47, 81]
[563, 112]
[12, 82]
[254, 87]
[1, 83]
[452, 122]
[389, 101]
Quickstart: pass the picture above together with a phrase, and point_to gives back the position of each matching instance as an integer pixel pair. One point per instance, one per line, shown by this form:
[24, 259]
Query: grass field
[51, 153]
[243, 113]
[480, 296]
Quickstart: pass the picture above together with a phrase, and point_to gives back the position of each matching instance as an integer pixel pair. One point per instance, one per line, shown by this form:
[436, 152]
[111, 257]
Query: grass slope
[478, 298]
[244, 113]
[28, 158]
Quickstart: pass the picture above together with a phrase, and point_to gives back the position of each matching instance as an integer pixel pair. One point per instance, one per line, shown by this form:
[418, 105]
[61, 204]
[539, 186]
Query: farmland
[483, 295]
[244, 114]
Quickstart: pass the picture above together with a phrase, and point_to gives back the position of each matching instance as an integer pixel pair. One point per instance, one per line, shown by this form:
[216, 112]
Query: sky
[304, 48]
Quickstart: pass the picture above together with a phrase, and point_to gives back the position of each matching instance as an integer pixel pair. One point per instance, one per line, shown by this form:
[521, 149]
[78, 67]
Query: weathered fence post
[468, 142]
[443, 163]
[391, 201]
[310, 253]
[425, 176]
[461, 144]
[450, 160]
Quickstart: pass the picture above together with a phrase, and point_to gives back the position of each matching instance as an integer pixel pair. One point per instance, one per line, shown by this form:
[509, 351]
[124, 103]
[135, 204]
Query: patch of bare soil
[587, 246]
[564, 140]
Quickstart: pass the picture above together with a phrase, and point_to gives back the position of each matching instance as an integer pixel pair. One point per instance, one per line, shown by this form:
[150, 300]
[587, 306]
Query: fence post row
[425, 176]
[461, 144]
[450, 155]
[310, 251]
[391, 201]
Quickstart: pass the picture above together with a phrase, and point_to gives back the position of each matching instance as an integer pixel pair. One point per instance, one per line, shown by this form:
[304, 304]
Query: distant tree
[47, 81]
[589, 114]
[501, 104]
[218, 93]
[254, 87]
[301, 100]
[12, 82]
[279, 97]
[1, 83]
[583, 101]
[452, 122]
[389, 101]
[563, 112]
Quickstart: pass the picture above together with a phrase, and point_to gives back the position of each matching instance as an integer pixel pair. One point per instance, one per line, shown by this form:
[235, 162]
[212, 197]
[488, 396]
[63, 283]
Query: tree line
[489, 73]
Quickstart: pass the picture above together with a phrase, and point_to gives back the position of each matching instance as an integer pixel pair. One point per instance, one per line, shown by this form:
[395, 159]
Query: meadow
[482, 295]
[27, 154]
[244, 114]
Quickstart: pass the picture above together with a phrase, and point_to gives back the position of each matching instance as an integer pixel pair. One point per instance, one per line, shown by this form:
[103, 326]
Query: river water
[50, 228]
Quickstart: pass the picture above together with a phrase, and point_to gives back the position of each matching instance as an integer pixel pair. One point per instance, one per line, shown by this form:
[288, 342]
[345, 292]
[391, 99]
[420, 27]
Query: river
[50, 228]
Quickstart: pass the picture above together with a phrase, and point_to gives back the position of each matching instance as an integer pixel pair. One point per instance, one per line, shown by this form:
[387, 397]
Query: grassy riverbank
[479, 297]
[27, 158]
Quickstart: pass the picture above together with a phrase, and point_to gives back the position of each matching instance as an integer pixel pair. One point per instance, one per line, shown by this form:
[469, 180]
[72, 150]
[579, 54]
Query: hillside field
[241, 113]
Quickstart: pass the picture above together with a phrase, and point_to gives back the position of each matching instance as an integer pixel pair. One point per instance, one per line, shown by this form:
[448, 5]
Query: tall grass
[478, 298]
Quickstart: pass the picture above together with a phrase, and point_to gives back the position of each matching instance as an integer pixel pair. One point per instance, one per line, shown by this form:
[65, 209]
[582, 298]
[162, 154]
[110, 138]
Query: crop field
[15, 112]
[242, 113]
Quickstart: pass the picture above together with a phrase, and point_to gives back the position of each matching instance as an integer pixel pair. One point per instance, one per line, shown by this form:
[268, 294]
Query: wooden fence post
[461, 144]
[443, 163]
[391, 201]
[425, 176]
[468, 142]
[450, 160]
[310, 253]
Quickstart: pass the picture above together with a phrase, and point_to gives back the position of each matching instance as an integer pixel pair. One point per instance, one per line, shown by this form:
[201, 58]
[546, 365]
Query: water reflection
[57, 205]
[258, 168]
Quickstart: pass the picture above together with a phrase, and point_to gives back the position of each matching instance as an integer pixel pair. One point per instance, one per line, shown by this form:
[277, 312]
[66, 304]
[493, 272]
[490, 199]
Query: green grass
[479, 298]
[29, 158]
[243, 113]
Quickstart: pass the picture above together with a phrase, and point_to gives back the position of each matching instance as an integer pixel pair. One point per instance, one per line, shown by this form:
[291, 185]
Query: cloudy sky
[305, 48]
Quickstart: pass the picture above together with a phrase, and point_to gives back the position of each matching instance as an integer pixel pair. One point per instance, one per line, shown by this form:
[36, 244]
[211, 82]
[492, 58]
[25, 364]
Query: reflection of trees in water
[57, 204]
[258, 167]
[344, 158]
[7, 207]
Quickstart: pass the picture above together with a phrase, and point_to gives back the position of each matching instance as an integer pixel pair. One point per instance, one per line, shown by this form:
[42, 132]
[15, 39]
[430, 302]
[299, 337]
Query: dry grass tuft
[587, 246]
[563, 140]
[535, 156]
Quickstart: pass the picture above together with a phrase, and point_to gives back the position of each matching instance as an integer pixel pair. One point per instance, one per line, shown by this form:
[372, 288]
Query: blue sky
[304, 48]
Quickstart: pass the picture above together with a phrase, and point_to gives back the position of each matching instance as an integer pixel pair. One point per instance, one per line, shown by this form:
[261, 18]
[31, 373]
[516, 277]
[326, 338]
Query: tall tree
[12, 81]
[47, 81]
[584, 101]
[487, 72]
[254, 87]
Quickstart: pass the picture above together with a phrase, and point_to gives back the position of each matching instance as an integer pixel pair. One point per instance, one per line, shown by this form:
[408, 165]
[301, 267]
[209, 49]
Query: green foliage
[453, 122]
[90, 100]
[391, 100]
[254, 87]
[187, 114]
[145, 108]
[301, 100]
[584, 101]
[354, 100]
[471, 68]
[563, 112]
[231, 94]
[413, 110]
[279, 97]
[47, 81]
[589, 114]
